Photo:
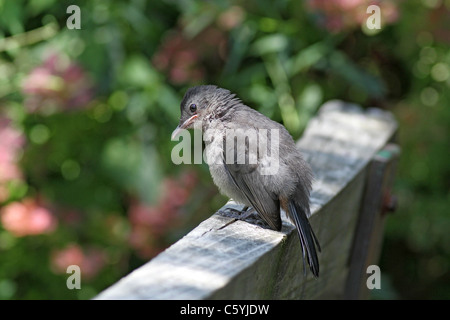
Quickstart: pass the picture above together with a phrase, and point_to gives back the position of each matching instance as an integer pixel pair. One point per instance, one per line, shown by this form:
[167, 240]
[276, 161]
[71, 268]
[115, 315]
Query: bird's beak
[183, 126]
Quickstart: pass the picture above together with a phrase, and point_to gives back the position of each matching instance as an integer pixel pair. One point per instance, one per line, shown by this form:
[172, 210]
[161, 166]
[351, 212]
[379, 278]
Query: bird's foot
[247, 214]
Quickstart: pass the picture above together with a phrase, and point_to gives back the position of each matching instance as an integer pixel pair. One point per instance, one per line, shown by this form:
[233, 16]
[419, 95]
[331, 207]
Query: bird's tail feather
[308, 240]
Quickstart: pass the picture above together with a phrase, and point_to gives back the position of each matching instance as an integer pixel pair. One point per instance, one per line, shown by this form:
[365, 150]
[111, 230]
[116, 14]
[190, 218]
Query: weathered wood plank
[368, 235]
[245, 261]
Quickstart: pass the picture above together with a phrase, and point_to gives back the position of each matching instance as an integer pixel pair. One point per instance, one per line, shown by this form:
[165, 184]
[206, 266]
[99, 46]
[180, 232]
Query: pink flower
[231, 18]
[146, 244]
[11, 143]
[175, 194]
[58, 84]
[27, 218]
[71, 255]
[184, 59]
[90, 261]
[140, 235]
[148, 216]
[94, 260]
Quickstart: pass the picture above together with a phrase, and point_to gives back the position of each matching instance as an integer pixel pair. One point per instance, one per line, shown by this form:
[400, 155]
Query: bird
[243, 172]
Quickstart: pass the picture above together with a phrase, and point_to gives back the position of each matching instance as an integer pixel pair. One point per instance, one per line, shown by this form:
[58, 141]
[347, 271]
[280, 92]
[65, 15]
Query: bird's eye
[193, 107]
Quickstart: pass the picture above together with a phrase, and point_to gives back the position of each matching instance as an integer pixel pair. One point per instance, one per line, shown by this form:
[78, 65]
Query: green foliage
[86, 117]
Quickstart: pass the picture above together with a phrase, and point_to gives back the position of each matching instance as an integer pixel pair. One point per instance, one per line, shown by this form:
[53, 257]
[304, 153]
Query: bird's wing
[248, 180]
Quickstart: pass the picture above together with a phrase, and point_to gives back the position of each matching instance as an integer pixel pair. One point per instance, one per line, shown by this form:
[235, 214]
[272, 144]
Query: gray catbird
[217, 110]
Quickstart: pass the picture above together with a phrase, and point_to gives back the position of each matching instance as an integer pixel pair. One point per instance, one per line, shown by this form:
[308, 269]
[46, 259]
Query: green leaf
[241, 38]
[35, 7]
[138, 72]
[307, 58]
[342, 65]
[133, 166]
[12, 16]
[308, 102]
[169, 102]
[269, 44]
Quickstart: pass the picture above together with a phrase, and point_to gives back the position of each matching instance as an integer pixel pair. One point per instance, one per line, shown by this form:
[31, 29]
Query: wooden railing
[353, 157]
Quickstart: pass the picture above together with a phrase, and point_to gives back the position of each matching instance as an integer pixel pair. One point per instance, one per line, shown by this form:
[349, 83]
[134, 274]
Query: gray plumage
[209, 107]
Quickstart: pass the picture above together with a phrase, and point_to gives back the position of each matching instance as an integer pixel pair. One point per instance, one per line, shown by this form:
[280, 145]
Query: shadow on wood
[223, 260]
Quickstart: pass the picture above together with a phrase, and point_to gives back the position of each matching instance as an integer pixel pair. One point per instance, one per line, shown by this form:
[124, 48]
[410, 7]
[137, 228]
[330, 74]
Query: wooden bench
[353, 157]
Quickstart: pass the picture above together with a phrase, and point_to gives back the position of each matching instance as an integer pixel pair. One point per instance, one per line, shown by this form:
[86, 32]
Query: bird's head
[200, 103]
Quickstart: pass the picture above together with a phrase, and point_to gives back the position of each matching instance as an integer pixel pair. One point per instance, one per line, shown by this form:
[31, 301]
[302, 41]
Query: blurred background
[86, 115]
